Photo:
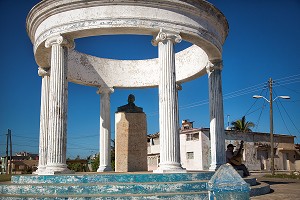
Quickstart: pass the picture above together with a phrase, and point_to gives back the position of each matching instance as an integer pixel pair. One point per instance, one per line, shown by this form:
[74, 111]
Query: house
[195, 149]
[22, 162]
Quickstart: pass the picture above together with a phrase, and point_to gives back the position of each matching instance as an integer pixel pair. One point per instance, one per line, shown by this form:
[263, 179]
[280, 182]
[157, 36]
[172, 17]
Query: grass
[286, 176]
[5, 177]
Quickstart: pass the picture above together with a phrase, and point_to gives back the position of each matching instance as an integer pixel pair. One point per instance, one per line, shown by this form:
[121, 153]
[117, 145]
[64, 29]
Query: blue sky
[263, 43]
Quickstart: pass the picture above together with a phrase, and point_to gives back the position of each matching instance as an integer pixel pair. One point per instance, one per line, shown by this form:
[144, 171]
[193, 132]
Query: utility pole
[6, 157]
[270, 101]
[271, 126]
[8, 169]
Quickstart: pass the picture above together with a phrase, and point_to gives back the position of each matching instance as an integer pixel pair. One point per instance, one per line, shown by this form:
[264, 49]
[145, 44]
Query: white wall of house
[195, 150]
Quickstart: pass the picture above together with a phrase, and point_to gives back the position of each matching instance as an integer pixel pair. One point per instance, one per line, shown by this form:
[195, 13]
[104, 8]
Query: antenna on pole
[228, 120]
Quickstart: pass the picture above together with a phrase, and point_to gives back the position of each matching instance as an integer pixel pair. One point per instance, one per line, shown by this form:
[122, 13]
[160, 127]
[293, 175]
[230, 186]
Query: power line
[253, 104]
[288, 77]
[289, 88]
[289, 117]
[80, 137]
[283, 119]
[259, 117]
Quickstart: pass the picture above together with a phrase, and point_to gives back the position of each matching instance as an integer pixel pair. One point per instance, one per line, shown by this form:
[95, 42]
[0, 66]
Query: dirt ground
[281, 189]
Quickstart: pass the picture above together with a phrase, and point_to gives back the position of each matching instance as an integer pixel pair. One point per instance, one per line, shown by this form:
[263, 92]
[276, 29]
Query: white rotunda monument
[53, 25]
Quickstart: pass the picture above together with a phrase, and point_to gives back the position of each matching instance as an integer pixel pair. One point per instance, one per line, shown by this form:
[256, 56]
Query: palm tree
[242, 125]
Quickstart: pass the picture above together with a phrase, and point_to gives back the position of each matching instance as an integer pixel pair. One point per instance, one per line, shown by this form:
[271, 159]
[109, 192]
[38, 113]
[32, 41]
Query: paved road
[281, 189]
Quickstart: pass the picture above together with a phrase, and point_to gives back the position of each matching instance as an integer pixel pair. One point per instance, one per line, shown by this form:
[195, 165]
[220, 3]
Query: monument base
[170, 168]
[40, 170]
[104, 169]
[131, 142]
[56, 169]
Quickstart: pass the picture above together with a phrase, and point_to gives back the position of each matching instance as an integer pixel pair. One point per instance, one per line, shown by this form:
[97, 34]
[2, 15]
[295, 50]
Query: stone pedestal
[131, 142]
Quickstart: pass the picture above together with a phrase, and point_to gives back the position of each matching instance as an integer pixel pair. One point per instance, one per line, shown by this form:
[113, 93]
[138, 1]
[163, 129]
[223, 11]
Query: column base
[170, 168]
[40, 170]
[56, 169]
[104, 169]
[214, 167]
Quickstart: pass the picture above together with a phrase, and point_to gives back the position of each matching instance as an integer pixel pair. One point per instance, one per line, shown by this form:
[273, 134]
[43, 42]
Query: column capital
[44, 71]
[60, 40]
[105, 90]
[164, 35]
[213, 65]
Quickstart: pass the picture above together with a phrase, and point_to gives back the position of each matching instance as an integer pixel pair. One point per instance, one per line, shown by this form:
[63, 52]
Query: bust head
[131, 98]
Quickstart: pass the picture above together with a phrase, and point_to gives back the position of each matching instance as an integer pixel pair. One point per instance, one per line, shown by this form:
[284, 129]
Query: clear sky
[263, 43]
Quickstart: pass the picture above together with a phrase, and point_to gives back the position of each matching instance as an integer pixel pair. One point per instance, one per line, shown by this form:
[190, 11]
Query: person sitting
[236, 160]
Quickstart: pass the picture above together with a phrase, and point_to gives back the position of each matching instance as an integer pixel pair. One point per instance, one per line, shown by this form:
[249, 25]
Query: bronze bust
[130, 107]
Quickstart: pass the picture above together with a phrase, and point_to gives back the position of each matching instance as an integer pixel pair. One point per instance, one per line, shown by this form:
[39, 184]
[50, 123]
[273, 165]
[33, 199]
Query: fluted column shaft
[168, 106]
[43, 143]
[57, 130]
[217, 133]
[105, 135]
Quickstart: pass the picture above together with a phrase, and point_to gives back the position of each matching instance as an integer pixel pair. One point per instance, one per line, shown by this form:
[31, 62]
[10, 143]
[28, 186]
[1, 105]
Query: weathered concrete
[199, 22]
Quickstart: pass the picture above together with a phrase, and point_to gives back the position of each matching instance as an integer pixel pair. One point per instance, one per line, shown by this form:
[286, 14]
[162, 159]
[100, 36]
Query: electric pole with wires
[271, 126]
[270, 101]
[8, 168]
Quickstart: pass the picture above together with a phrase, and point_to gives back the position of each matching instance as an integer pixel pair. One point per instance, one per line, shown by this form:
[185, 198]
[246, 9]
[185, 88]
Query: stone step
[104, 188]
[192, 185]
[112, 177]
[259, 189]
[181, 195]
[250, 180]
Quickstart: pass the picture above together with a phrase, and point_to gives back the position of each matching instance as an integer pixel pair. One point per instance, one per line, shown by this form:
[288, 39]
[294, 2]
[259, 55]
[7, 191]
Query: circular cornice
[197, 22]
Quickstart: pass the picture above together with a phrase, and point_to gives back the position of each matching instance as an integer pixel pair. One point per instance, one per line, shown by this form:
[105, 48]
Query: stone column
[168, 107]
[43, 145]
[105, 148]
[58, 103]
[217, 133]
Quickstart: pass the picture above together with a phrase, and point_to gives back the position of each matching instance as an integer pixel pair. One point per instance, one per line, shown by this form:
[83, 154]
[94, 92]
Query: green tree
[95, 162]
[113, 155]
[242, 125]
[76, 166]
